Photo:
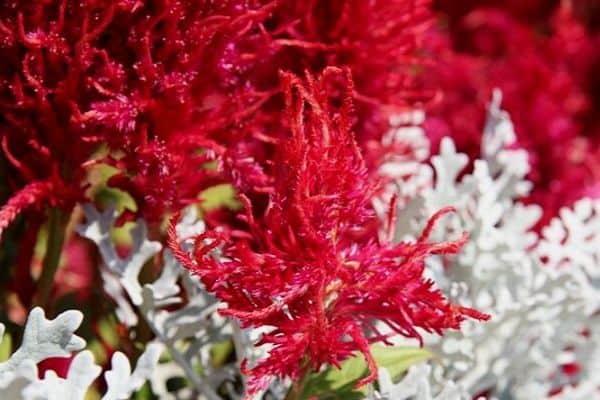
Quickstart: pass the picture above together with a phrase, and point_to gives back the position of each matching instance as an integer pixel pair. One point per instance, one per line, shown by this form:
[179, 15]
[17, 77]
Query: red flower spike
[314, 270]
[31, 195]
[157, 80]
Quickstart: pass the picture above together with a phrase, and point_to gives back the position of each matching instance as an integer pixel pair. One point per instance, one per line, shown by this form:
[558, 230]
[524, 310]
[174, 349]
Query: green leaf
[220, 353]
[104, 194]
[98, 350]
[145, 393]
[397, 360]
[222, 195]
[108, 331]
[5, 347]
[333, 383]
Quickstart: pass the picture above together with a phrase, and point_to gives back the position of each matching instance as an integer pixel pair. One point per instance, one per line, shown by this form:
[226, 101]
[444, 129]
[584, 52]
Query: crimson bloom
[121, 74]
[312, 266]
[161, 81]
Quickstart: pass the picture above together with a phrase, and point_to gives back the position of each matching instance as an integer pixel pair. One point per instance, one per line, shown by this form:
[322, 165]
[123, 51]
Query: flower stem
[297, 389]
[57, 222]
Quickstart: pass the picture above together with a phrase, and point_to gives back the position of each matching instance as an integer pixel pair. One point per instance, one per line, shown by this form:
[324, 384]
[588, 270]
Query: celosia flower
[160, 81]
[79, 74]
[311, 265]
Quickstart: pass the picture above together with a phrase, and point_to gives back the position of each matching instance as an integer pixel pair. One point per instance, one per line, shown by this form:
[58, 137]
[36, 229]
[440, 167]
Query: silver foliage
[121, 382]
[42, 339]
[402, 169]
[572, 241]
[45, 339]
[82, 373]
[543, 292]
[540, 293]
[187, 328]
[415, 385]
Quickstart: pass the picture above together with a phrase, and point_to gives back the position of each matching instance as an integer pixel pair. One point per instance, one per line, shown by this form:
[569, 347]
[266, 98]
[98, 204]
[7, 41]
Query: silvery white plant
[543, 293]
[572, 241]
[186, 331]
[403, 169]
[44, 339]
[416, 385]
[537, 310]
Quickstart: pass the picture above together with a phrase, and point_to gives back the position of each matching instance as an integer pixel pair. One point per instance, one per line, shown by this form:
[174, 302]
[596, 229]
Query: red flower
[311, 266]
[79, 74]
[162, 80]
[60, 365]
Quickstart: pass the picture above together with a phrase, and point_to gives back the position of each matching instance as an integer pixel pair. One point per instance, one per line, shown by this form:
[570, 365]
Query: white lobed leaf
[537, 306]
[12, 383]
[121, 382]
[403, 172]
[498, 131]
[82, 373]
[416, 386]
[112, 286]
[572, 242]
[45, 338]
[97, 228]
[187, 328]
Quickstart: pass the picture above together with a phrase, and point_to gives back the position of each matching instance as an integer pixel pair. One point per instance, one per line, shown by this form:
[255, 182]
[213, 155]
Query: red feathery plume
[170, 85]
[311, 265]
[29, 196]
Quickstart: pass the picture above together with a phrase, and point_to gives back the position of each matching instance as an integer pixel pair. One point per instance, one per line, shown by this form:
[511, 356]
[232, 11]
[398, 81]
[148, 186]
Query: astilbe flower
[545, 79]
[312, 266]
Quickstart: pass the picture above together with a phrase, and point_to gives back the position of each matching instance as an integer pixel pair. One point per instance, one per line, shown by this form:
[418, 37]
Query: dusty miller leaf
[535, 310]
[416, 386]
[98, 227]
[82, 372]
[45, 338]
[121, 382]
[187, 328]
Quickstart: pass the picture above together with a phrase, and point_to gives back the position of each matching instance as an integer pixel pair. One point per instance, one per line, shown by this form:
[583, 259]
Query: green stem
[297, 389]
[57, 222]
